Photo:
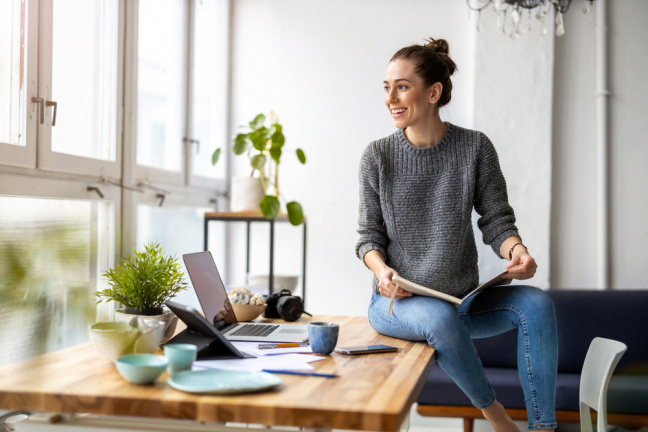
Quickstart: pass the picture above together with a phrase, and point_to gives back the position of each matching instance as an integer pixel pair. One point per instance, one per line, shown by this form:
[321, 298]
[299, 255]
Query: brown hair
[432, 63]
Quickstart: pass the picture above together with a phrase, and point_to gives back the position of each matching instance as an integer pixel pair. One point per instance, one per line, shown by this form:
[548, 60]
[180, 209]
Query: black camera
[283, 305]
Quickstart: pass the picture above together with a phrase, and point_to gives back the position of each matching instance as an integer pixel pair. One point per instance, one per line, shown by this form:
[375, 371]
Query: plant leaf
[258, 121]
[275, 153]
[270, 206]
[301, 156]
[215, 156]
[240, 144]
[258, 161]
[277, 136]
[295, 213]
[259, 138]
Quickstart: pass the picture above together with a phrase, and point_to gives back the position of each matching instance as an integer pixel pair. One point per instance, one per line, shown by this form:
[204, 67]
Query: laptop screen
[209, 289]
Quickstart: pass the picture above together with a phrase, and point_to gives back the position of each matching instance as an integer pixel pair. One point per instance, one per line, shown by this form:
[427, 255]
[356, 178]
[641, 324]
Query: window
[18, 43]
[209, 109]
[10, 76]
[109, 113]
[85, 86]
[161, 83]
[177, 102]
[52, 252]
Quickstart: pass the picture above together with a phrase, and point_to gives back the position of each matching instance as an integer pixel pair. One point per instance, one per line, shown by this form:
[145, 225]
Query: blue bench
[581, 316]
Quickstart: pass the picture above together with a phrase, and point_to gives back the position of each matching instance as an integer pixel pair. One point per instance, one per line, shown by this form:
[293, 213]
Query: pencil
[283, 345]
[393, 296]
[289, 372]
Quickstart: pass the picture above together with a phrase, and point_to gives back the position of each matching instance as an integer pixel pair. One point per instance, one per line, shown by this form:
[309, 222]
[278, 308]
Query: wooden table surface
[373, 392]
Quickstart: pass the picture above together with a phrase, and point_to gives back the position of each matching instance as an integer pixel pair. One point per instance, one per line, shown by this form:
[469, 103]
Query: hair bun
[438, 45]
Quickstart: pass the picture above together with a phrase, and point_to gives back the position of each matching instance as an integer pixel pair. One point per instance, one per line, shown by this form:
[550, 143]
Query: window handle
[49, 104]
[39, 101]
[187, 140]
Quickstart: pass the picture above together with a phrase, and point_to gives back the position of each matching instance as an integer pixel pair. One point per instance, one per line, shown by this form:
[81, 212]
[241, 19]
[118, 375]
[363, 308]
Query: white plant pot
[168, 318]
[246, 194]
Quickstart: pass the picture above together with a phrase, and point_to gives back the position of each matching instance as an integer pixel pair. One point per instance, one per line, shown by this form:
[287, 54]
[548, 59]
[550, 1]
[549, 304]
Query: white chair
[600, 361]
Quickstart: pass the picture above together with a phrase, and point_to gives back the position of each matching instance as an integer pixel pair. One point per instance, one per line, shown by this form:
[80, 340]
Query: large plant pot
[167, 317]
[246, 194]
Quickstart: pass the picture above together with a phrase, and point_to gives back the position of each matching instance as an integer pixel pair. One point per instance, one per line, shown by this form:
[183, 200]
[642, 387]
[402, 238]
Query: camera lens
[290, 308]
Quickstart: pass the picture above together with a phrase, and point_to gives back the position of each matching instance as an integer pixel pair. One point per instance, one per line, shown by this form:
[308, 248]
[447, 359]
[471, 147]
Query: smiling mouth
[397, 112]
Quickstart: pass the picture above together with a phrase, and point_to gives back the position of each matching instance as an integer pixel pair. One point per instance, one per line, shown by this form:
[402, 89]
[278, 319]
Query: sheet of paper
[284, 362]
[251, 348]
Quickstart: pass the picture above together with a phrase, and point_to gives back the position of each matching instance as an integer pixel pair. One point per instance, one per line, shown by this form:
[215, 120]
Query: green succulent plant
[263, 144]
[144, 280]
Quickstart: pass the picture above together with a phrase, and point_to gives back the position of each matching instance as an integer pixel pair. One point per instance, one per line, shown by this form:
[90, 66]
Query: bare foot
[498, 418]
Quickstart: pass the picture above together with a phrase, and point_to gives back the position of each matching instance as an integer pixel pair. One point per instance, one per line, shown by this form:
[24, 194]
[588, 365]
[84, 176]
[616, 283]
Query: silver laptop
[217, 309]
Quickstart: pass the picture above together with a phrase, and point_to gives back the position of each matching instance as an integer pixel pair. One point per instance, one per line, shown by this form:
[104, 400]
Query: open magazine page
[421, 290]
[496, 281]
[429, 292]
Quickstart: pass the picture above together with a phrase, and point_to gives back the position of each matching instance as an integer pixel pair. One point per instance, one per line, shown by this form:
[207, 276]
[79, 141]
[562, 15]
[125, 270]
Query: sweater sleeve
[497, 218]
[371, 227]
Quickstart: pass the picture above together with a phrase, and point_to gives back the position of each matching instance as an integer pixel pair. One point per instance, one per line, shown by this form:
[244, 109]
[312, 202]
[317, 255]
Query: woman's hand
[522, 266]
[386, 286]
[376, 263]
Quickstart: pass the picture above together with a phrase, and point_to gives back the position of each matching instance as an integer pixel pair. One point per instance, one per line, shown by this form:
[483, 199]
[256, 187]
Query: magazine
[429, 292]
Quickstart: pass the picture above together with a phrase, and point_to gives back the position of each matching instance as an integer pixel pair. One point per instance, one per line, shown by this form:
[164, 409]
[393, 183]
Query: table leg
[247, 252]
[206, 234]
[404, 427]
[271, 272]
[304, 267]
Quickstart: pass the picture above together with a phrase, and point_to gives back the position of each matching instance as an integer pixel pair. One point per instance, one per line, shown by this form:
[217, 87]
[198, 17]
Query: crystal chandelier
[514, 11]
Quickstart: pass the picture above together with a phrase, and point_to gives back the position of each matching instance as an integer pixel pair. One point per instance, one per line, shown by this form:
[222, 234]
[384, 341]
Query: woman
[418, 188]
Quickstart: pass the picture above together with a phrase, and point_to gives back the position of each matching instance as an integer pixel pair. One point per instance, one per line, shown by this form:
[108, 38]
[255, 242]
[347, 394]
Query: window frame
[17, 155]
[37, 171]
[48, 159]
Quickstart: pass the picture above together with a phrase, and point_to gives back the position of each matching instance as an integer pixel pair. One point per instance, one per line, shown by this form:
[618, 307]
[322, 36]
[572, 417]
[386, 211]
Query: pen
[289, 372]
[391, 301]
[282, 345]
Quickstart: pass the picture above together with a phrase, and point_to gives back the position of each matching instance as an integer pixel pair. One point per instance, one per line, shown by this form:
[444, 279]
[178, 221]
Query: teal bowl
[141, 368]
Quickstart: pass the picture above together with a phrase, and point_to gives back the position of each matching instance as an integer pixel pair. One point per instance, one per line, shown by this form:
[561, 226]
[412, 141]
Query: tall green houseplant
[263, 144]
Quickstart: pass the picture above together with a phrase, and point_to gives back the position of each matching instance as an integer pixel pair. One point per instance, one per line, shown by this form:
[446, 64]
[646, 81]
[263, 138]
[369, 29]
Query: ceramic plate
[218, 381]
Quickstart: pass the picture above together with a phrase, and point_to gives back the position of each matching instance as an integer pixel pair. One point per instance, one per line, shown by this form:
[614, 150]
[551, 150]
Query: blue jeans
[450, 329]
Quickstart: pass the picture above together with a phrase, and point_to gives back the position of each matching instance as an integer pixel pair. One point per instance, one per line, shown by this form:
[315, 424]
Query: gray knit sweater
[416, 206]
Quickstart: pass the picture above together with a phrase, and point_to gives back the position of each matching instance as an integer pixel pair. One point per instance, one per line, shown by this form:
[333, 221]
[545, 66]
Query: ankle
[499, 419]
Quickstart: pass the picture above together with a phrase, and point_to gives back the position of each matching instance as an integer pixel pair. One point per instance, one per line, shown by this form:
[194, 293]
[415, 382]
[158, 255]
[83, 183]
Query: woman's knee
[440, 322]
[534, 303]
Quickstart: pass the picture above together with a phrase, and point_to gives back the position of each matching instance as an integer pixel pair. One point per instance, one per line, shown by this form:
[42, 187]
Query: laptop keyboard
[254, 330]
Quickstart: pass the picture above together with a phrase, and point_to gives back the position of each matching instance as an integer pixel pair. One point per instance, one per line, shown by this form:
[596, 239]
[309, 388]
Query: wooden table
[374, 392]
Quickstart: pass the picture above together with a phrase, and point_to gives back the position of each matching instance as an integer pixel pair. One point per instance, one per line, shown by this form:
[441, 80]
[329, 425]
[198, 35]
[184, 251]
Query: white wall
[574, 232]
[320, 66]
[513, 88]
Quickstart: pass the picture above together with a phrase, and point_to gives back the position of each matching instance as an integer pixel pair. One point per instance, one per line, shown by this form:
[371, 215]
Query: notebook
[212, 296]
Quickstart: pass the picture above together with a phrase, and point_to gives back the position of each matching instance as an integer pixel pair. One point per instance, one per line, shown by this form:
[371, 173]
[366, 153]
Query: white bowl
[247, 312]
[113, 339]
[287, 282]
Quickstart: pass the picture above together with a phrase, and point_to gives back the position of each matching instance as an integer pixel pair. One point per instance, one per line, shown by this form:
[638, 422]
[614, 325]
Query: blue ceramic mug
[322, 336]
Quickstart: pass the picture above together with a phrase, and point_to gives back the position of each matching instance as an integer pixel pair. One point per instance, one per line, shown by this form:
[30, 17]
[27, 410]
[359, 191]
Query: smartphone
[366, 349]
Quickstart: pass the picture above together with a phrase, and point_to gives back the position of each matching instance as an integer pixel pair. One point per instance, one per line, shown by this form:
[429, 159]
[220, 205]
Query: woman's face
[409, 101]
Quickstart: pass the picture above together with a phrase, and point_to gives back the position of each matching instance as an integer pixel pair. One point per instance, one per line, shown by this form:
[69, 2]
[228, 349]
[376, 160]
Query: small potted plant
[142, 283]
[263, 144]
